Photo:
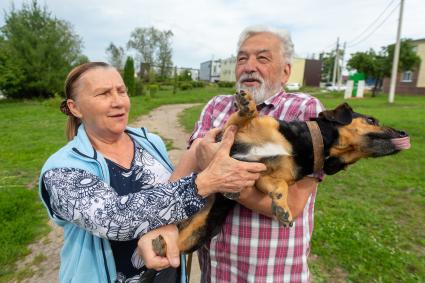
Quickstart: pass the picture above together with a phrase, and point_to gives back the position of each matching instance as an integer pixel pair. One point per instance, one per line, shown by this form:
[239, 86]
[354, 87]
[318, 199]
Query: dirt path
[42, 264]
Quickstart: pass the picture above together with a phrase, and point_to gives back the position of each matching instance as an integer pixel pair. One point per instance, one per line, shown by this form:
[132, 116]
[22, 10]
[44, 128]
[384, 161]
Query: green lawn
[30, 132]
[369, 223]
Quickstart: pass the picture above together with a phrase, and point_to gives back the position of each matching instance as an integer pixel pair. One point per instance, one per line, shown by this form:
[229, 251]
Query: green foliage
[116, 56]
[369, 219]
[185, 75]
[154, 49]
[138, 87]
[198, 84]
[408, 60]
[129, 76]
[226, 84]
[153, 89]
[37, 51]
[379, 65]
[185, 85]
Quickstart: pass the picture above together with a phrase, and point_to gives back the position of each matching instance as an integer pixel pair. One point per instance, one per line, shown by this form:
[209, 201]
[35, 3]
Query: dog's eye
[372, 121]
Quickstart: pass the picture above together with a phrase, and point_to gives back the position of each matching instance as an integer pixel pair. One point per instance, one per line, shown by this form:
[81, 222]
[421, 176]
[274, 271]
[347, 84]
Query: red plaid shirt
[251, 247]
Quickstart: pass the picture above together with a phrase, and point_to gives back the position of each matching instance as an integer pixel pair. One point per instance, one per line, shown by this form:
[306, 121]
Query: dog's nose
[402, 134]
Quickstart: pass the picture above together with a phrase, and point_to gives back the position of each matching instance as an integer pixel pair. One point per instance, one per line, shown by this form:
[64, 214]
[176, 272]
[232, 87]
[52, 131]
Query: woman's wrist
[200, 184]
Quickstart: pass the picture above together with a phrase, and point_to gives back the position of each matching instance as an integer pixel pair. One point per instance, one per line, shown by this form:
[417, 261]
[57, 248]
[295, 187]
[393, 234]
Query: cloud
[210, 29]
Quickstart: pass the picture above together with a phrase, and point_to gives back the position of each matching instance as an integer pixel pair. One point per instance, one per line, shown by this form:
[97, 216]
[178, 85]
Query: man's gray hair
[282, 34]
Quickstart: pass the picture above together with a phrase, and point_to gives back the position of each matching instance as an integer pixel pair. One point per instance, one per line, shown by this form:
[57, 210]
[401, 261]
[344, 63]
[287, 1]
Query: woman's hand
[225, 174]
[170, 234]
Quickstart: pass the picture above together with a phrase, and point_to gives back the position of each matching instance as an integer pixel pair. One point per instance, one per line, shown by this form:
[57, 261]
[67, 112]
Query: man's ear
[74, 108]
[342, 114]
[286, 73]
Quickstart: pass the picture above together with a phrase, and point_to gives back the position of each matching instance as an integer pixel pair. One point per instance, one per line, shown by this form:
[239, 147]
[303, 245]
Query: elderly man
[252, 246]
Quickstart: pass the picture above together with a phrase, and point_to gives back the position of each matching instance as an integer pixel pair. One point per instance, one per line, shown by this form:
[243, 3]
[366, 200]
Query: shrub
[185, 86]
[153, 89]
[198, 84]
[138, 87]
[226, 84]
[129, 76]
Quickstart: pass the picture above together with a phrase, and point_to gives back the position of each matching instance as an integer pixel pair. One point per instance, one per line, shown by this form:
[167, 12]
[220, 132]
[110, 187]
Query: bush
[226, 84]
[138, 88]
[153, 89]
[198, 84]
[185, 86]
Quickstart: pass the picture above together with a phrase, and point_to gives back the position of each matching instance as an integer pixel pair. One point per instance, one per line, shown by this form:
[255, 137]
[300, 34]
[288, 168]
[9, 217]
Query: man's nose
[250, 65]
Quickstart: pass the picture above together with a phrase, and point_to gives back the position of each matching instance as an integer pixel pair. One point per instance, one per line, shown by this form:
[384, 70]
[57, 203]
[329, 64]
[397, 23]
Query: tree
[408, 60]
[37, 51]
[129, 75]
[153, 48]
[378, 65]
[116, 56]
[144, 41]
[371, 64]
[328, 60]
[164, 54]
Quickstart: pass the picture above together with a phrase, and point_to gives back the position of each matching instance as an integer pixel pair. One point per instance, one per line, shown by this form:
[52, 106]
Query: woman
[110, 184]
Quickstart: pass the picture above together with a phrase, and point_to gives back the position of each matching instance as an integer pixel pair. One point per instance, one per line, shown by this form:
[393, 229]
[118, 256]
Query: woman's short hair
[283, 35]
[71, 83]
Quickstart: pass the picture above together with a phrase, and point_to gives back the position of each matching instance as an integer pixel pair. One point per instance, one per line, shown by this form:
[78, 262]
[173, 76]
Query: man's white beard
[262, 92]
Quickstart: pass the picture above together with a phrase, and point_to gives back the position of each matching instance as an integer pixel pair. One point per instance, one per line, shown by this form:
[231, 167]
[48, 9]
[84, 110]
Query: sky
[205, 30]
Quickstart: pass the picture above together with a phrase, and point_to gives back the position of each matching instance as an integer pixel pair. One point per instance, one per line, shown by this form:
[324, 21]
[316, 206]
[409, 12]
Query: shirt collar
[274, 100]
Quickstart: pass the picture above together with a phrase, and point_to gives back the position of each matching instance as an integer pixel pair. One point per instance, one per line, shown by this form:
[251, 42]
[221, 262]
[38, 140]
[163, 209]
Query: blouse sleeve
[82, 198]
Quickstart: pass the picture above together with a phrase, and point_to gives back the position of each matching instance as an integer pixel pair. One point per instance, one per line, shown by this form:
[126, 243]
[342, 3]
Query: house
[210, 71]
[227, 73]
[411, 81]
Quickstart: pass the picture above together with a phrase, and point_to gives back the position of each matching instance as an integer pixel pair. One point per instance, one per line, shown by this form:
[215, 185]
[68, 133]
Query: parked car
[292, 86]
[332, 87]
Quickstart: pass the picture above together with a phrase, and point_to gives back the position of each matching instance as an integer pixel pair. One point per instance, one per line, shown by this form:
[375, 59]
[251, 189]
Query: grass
[30, 132]
[369, 222]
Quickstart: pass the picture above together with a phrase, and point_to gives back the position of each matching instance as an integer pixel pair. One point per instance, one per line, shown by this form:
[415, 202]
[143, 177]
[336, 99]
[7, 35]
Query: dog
[291, 150]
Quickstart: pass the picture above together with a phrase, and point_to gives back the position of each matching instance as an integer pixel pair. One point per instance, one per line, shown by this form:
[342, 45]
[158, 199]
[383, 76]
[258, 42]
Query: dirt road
[42, 264]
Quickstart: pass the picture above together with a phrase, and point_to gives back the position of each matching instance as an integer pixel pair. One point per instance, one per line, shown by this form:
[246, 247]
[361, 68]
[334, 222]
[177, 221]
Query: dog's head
[359, 136]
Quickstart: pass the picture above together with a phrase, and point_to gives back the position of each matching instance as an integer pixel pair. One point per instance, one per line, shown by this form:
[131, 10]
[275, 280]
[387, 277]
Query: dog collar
[317, 143]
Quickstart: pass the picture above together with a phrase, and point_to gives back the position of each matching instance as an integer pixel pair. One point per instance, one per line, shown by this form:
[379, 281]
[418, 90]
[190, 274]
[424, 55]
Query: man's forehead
[261, 42]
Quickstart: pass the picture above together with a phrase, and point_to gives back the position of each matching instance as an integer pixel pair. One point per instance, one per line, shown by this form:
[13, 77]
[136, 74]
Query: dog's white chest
[256, 153]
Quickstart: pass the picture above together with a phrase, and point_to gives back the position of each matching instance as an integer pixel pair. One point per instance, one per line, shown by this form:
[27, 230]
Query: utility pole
[394, 71]
[335, 62]
[342, 66]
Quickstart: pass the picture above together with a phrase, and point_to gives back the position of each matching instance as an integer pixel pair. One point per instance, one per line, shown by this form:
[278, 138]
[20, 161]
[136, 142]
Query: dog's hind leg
[278, 191]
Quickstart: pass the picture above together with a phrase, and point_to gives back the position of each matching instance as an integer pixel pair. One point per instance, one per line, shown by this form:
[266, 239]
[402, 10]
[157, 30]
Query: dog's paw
[282, 214]
[232, 196]
[245, 104]
[159, 246]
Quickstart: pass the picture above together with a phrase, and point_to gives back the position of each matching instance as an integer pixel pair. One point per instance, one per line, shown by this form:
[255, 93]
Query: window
[406, 76]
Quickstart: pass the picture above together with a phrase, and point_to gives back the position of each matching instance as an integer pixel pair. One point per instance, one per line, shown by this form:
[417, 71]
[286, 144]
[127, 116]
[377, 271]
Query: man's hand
[170, 234]
[225, 174]
[206, 148]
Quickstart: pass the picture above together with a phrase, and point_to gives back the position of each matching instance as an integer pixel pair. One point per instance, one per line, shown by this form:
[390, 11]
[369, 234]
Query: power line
[374, 30]
[371, 24]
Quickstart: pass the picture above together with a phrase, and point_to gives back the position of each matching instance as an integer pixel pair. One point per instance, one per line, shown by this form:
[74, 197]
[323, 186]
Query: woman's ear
[74, 108]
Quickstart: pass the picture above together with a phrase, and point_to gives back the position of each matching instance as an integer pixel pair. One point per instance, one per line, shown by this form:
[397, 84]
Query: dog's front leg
[277, 189]
[247, 110]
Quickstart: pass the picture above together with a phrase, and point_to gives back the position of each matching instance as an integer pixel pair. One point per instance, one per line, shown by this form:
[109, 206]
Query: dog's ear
[343, 114]
[333, 165]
